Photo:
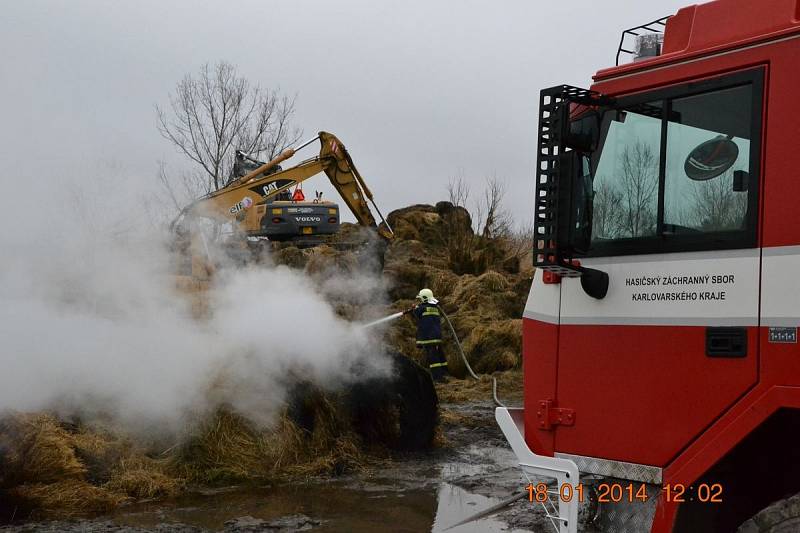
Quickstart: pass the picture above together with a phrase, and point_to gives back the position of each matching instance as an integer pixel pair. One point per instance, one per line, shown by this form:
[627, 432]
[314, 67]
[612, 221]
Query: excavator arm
[244, 200]
[347, 180]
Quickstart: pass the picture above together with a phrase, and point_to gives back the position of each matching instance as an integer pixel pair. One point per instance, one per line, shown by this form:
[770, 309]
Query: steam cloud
[90, 320]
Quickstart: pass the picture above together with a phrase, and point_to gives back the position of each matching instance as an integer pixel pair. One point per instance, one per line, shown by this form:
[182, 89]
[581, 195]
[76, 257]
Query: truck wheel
[782, 516]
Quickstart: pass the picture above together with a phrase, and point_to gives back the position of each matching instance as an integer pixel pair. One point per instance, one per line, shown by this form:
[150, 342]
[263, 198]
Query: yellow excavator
[258, 203]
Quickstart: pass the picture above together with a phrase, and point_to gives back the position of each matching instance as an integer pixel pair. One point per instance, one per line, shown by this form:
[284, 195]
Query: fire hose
[458, 344]
[464, 358]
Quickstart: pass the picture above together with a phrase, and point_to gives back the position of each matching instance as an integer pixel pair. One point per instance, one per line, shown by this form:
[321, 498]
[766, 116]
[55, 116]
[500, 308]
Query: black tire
[400, 412]
[782, 516]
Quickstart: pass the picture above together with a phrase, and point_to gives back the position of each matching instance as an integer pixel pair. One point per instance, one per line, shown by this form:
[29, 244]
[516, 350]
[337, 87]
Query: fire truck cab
[660, 355]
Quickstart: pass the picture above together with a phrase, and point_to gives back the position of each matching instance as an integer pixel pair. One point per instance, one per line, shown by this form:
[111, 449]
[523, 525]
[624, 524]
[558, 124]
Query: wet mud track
[420, 492]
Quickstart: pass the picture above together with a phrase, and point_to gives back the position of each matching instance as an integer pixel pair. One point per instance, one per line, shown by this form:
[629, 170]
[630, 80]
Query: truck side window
[626, 177]
[708, 141]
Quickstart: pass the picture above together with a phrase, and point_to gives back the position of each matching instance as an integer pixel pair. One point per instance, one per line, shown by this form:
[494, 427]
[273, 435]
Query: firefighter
[429, 333]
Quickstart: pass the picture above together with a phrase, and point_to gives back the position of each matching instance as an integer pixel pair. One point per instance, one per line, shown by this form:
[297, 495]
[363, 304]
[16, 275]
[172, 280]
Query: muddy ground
[472, 469]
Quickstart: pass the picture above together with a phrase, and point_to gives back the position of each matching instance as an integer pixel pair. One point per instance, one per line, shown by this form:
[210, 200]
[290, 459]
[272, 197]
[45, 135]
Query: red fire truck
[661, 364]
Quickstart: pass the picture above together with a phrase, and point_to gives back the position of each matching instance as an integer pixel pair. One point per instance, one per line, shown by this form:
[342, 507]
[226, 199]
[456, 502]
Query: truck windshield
[674, 166]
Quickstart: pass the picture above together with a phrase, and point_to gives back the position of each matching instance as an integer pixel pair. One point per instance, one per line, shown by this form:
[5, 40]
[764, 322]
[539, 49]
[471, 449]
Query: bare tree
[216, 112]
[639, 184]
[716, 206]
[607, 217]
[497, 222]
[481, 236]
[520, 243]
[457, 233]
[190, 185]
[488, 214]
[458, 191]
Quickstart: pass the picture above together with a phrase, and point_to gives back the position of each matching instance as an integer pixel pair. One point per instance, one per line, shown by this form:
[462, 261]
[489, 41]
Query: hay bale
[494, 345]
[509, 387]
[418, 222]
[487, 284]
[38, 450]
[337, 457]
[403, 229]
[403, 212]
[353, 234]
[403, 250]
[492, 281]
[226, 447]
[325, 262]
[325, 446]
[143, 478]
[99, 451]
[490, 296]
[291, 256]
[70, 470]
[68, 497]
[400, 336]
[464, 287]
[455, 364]
[442, 283]
[511, 264]
[520, 289]
[229, 448]
[455, 217]
[406, 279]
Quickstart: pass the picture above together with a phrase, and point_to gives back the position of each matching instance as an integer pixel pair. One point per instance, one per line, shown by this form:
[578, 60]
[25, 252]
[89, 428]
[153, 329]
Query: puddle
[338, 507]
[456, 504]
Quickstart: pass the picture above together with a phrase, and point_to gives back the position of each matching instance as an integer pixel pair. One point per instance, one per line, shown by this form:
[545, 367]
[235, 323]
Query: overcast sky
[419, 91]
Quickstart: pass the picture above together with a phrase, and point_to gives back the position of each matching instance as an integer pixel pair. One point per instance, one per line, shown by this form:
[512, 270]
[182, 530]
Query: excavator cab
[244, 164]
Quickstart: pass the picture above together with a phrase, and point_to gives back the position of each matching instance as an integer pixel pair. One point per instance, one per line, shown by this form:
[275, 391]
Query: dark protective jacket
[429, 324]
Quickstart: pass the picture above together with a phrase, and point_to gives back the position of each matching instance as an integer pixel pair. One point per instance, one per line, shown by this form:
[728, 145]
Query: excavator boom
[344, 176]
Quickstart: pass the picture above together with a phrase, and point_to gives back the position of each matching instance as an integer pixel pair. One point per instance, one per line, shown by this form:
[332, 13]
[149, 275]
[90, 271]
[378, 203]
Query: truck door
[674, 342]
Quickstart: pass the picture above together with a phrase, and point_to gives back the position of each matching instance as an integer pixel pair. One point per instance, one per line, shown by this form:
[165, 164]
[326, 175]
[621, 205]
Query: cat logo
[265, 190]
[269, 188]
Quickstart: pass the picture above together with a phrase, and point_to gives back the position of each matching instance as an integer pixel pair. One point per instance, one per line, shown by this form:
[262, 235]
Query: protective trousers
[434, 356]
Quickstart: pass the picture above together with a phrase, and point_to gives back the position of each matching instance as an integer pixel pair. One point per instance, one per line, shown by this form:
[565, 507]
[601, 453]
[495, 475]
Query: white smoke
[90, 320]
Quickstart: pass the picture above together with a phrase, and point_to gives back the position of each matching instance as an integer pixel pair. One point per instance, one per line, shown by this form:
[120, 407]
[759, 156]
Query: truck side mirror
[575, 202]
[582, 134]
[594, 283]
[576, 197]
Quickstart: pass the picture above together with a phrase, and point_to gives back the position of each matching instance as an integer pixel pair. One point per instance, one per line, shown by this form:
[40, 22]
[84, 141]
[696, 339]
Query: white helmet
[426, 295]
